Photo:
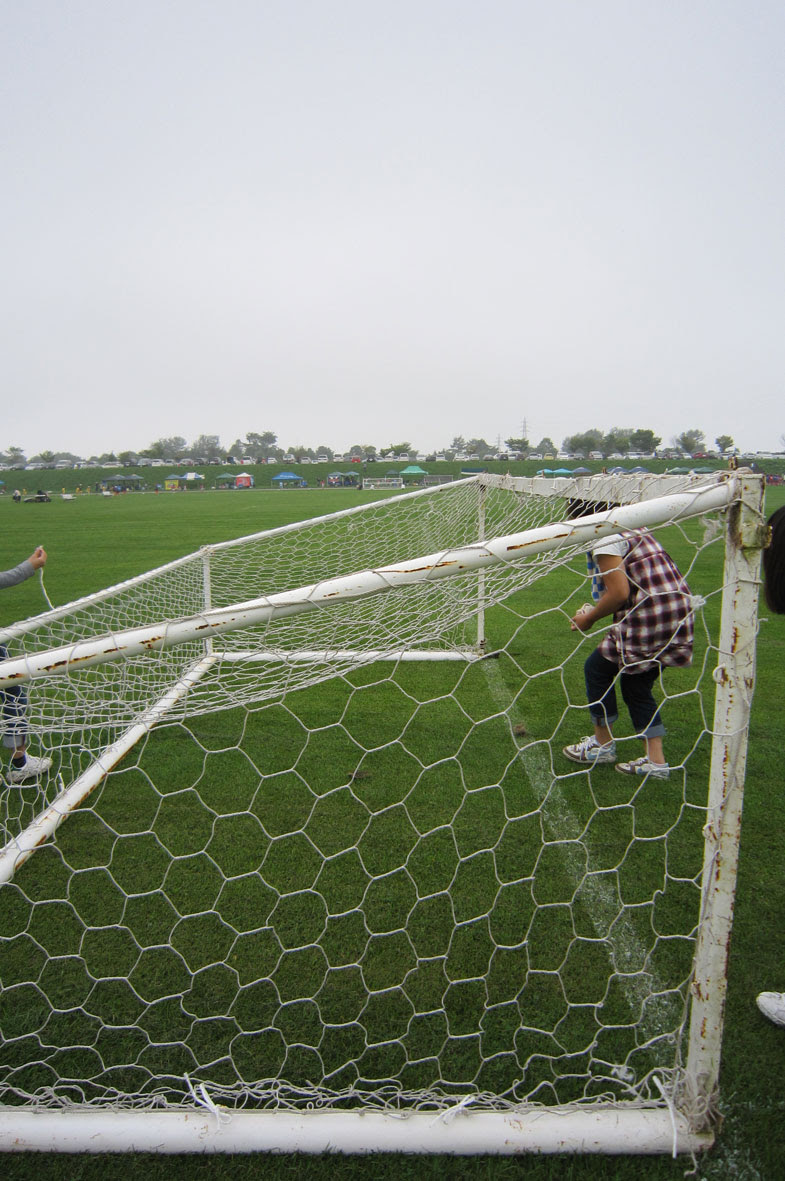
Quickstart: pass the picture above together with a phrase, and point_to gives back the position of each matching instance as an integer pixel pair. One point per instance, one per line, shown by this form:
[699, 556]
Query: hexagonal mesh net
[328, 874]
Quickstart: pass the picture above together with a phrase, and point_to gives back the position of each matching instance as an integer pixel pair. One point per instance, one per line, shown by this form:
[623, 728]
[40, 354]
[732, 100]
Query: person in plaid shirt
[639, 584]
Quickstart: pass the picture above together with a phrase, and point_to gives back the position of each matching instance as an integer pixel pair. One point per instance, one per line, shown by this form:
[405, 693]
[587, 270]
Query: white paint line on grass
[597, 895]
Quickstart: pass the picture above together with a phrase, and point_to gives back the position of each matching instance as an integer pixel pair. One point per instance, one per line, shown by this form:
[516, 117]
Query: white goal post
[323, 881]
[372, 483]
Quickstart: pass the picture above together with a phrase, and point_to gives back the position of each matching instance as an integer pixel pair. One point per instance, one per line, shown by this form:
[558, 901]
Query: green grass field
[96, 541]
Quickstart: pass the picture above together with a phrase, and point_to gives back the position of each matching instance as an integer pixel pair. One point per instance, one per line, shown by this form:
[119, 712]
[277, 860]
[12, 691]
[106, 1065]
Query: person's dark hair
[587, 508]
[774, 564]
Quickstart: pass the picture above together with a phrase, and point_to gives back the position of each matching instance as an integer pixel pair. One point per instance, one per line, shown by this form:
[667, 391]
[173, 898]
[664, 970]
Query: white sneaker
[590, 751]
[644, 766]
[772, 1005]
[33, 769]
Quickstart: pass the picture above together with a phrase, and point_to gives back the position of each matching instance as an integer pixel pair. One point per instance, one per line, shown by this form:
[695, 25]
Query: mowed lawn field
[97, 541]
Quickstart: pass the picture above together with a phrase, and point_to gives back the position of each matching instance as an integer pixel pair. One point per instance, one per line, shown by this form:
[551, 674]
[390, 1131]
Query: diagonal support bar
[17, 851]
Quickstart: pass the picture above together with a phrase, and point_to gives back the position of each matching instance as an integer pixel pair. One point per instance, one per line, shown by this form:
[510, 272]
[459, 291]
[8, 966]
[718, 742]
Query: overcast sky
[375, 221]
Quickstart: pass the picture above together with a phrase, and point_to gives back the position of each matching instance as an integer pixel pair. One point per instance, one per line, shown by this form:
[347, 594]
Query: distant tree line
[255, 446]
[264, 447]
[641, 442]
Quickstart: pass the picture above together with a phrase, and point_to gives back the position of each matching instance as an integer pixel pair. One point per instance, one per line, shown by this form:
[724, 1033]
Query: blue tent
[289, 480]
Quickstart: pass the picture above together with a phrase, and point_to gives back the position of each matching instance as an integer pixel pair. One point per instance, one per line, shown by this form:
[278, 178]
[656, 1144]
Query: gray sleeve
[18, 574]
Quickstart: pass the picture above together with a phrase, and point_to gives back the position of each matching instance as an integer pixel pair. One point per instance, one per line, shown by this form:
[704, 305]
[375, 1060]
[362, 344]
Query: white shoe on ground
[772, 1005]
[590, 751]
[644, 766]
[33, 768]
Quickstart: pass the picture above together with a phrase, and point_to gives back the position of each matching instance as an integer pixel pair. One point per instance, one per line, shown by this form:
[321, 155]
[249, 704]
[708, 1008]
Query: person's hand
[37, 558]
[580, 621]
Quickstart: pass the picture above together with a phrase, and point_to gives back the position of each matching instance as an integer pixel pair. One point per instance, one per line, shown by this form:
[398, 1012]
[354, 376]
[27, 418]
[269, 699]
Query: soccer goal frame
[376, 483]
[681, 1119]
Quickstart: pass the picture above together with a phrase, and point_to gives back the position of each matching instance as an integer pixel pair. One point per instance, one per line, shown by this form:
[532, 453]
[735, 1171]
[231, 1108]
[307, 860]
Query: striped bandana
[597, 585]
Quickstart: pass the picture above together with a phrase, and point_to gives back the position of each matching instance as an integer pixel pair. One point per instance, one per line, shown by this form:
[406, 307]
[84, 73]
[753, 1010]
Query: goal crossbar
[21, 628]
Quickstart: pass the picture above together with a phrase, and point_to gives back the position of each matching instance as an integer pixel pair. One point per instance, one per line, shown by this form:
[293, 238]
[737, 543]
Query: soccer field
[466, 844]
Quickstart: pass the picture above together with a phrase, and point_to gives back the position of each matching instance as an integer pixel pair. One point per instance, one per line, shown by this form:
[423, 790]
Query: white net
[328, 878]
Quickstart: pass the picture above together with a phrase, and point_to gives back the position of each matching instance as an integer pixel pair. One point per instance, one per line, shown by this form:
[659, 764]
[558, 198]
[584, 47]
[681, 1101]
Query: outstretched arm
[25, 569]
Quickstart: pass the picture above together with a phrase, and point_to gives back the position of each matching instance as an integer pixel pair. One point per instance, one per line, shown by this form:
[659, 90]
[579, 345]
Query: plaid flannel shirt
[655, 625]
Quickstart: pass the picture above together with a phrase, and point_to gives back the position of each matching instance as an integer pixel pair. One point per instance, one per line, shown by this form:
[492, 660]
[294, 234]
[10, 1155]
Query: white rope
[48, 601]
[201, 1097]
[449, 1114]
[671, 1112]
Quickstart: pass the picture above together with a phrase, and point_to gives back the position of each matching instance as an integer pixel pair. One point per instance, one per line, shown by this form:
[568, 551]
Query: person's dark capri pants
[636, 689]
[13, 707]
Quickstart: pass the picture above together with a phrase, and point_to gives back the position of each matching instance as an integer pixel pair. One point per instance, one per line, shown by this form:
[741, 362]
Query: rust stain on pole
[523, 545]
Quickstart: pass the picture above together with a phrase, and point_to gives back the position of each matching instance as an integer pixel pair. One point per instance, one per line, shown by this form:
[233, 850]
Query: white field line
[627, 952]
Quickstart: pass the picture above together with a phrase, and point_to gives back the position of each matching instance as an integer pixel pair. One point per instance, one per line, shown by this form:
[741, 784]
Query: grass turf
[129, 534]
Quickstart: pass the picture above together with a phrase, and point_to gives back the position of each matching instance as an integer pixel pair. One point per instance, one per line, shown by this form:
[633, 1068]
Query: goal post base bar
[606, 1129]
